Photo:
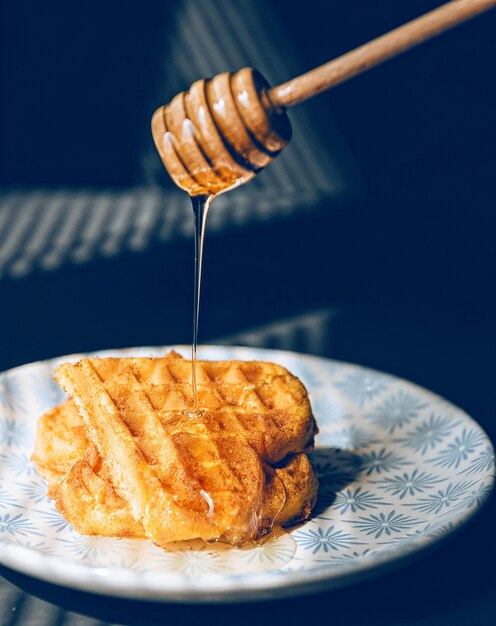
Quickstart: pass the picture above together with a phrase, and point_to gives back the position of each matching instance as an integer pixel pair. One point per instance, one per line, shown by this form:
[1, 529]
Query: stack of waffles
[129, 454]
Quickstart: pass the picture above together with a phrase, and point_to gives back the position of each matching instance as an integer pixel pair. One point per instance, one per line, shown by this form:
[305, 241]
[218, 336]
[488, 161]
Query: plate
[399, 469]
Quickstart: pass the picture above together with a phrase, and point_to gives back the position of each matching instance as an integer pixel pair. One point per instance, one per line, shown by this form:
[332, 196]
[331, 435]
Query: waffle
[170, 475]
[60, 442]
[261, 401]
[86, 497]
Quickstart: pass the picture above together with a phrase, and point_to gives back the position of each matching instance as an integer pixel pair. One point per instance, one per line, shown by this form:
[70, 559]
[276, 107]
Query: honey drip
[201, 205]
[210, 189]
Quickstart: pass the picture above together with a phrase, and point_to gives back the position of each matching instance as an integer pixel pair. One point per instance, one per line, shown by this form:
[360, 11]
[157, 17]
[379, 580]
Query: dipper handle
[376, 51]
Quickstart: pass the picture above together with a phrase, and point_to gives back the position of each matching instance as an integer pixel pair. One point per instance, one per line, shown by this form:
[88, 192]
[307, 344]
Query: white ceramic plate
[399, 467]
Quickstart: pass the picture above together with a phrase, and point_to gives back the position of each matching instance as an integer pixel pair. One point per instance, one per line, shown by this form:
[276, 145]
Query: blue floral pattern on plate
[399, 469]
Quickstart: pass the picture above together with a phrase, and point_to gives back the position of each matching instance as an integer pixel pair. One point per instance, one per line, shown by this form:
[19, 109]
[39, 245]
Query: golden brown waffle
[185, 476]
[60, 442]
[262, 401]
[88, 500]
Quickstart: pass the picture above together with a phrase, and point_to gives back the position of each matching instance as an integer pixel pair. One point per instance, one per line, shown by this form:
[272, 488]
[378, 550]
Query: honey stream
[201, 205]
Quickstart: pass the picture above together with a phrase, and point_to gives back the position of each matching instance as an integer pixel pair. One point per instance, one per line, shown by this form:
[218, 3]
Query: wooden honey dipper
[224, 130]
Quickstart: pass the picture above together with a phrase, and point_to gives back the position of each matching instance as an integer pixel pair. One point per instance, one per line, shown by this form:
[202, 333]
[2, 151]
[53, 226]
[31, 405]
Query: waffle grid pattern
[163, 459]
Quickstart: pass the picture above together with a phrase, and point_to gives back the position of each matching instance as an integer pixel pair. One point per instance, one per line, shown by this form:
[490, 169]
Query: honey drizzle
[201, 205]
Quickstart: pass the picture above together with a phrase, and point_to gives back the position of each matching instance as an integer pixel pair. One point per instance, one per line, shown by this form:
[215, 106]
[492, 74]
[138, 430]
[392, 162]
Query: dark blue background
[76, 103]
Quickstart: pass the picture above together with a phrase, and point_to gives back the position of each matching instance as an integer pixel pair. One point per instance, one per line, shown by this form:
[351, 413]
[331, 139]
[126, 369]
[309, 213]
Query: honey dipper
[224, 130]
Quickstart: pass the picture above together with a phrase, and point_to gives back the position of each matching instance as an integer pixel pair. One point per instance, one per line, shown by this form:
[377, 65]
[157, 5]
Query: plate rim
[252, 587]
